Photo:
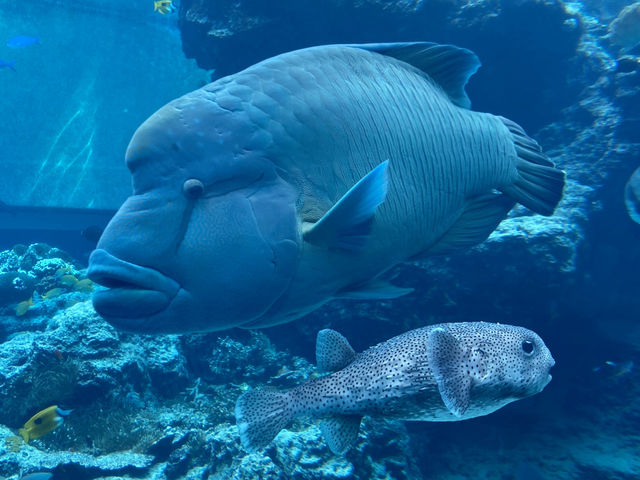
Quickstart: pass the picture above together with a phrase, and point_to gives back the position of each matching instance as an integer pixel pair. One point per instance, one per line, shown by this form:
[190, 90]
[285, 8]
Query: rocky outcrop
[161, 407]
[517, 54]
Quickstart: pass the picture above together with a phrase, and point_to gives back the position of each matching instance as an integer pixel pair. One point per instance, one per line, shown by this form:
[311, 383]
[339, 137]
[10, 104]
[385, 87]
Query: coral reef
[35, 282]
[161, 407]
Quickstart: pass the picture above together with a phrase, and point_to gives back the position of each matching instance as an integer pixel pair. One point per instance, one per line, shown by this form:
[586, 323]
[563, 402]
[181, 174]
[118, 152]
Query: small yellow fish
[71, 303]
[13, 443]
[68, 280]
[84, 285]
[23, 307]
[163, 6]
[53, 293]
[63, 271]
[43, 422]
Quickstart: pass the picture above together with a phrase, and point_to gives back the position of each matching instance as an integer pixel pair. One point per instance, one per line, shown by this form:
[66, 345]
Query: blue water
[163, 406]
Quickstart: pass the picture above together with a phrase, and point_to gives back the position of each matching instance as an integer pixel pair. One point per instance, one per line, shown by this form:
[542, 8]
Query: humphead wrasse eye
[193, 188]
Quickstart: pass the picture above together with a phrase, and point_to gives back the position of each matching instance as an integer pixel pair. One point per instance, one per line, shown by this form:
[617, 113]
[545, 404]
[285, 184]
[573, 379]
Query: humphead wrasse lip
[132, 291]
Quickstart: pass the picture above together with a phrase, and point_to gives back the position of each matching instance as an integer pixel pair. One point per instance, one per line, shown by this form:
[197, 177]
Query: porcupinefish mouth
[132, 291]
[552, 363]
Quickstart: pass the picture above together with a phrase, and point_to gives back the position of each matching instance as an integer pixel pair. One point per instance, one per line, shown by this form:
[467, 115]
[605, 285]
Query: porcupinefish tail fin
[333, 351]
[340, 432]
[539, 184]
[260, 415]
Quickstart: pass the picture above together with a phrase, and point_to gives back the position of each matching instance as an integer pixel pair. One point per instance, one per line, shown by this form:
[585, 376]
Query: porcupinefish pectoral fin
[340, 432]
[373, 290]
[347, 225]
[446, 358]
[449, 66]
[333, 351]
[480, 217]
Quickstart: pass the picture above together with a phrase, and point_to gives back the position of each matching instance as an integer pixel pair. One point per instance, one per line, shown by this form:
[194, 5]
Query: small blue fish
[8, 64]
[22, 41]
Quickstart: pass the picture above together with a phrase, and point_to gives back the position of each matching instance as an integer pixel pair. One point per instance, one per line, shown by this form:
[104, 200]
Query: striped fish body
[265, 194]
[329, 115]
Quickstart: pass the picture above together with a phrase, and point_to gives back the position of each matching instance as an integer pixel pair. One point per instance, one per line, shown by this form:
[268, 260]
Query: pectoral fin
[347, 225]
[446, 358]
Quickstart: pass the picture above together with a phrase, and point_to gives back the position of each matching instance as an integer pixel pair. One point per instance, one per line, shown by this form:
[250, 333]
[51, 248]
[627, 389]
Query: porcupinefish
[439, 373]
[265, 194]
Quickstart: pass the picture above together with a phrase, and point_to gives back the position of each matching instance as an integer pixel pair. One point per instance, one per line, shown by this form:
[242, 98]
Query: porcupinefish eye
[527, 347]
[193, 188]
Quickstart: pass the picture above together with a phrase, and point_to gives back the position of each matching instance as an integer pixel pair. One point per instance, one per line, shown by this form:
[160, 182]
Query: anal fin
[373, 290]
[340, 432]
[480, 217]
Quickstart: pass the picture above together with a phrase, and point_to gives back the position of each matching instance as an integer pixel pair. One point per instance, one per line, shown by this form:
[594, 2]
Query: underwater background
[77, 79]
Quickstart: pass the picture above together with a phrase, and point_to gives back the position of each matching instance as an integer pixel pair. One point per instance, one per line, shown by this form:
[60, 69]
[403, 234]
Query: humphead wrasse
[261, 196]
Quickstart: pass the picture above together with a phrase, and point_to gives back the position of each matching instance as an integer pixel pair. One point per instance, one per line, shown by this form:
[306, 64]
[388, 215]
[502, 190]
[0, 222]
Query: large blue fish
[260, 197]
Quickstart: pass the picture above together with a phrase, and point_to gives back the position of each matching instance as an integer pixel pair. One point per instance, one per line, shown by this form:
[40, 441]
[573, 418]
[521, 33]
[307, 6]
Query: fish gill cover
[86, 76]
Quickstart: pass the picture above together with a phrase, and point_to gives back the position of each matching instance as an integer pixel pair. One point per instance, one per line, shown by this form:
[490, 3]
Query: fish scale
[318, 170]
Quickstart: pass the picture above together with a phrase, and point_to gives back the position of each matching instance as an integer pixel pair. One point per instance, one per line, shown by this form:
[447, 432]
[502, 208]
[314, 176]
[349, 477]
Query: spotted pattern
[333, 351]
[340, 432]
[403, 378]
[260, 415]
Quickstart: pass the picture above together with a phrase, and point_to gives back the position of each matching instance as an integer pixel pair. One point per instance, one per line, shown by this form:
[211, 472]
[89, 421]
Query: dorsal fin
[333, 351]
[449, 66]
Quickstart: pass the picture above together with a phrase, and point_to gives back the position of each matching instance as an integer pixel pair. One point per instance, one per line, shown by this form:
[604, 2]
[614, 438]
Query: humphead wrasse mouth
[132, 291]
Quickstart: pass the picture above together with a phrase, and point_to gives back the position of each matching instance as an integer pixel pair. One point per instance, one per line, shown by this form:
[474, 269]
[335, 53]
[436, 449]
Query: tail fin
[539, 184]
[260, 415]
